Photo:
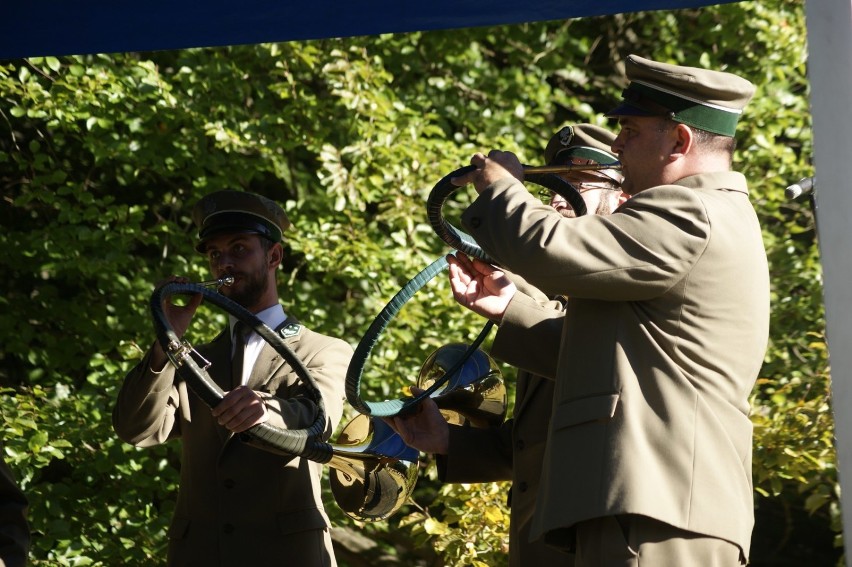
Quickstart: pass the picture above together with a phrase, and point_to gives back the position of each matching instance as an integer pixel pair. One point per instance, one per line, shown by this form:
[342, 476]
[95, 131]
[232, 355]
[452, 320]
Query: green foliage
[103, 155]
[471, 528]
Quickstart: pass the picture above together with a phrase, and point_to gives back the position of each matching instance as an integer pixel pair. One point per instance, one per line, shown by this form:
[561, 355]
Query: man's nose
[223, 261]
[616, 144]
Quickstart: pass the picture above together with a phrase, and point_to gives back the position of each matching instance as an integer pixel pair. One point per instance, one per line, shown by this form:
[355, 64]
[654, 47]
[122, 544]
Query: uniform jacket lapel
[269, 361]
[218, 354]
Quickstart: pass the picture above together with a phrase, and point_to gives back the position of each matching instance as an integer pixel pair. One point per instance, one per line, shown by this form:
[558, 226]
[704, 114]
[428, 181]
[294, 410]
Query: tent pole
[829, 24]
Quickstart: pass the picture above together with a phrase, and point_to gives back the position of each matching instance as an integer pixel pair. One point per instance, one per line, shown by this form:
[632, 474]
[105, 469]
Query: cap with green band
[705, 99]
[231, 211]
[583, 141]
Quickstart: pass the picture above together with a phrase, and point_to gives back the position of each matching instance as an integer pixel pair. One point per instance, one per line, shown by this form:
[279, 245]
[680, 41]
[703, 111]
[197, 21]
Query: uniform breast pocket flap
[585, 410]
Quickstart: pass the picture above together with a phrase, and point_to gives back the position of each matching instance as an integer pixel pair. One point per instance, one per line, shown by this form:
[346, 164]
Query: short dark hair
[715, 142]
[265, 243]
[707, 141]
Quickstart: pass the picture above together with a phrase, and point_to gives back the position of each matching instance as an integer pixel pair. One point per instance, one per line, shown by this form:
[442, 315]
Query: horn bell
[372, 470]
[475, 395]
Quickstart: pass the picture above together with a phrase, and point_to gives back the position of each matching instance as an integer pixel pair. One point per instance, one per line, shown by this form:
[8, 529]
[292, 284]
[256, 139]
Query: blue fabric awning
[32, 28]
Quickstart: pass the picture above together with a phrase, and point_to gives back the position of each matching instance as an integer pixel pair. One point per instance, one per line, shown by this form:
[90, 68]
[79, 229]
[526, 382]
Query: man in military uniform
[649, 446]
[514, 451]
[237, 504]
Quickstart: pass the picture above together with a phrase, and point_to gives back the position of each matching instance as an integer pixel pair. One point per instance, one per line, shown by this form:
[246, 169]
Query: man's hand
[178, 316]
[498, 165]
[241, 409]
[425, 428]
[480, 287]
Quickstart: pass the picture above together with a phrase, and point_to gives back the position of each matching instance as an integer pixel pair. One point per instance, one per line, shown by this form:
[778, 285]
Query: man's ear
[275, 255]
[684, 140]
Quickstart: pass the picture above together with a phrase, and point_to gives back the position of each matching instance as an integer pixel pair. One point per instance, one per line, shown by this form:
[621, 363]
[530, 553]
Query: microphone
[805, 186]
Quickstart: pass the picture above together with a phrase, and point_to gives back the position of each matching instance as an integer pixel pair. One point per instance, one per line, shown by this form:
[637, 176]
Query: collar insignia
[291, 330]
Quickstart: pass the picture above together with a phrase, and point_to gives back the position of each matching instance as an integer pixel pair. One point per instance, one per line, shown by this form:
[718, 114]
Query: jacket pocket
[302, 520]
[585, 410]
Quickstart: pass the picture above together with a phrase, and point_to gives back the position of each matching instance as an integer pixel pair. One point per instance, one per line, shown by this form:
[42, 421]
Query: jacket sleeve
[14, 530]
[529, 335]
[640, 251]
[477, 455]
[145, 412]
[534, 320]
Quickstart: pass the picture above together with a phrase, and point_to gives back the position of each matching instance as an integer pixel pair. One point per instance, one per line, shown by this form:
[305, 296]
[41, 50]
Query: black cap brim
[237, 223]
[627, 109]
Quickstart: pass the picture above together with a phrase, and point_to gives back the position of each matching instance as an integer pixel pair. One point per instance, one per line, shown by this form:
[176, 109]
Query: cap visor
[201, 245]
[627, 109]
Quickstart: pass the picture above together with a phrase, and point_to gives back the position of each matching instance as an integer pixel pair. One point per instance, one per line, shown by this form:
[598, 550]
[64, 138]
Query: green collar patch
[291, 330]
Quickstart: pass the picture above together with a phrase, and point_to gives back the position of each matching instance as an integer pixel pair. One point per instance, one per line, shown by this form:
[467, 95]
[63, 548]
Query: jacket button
[519, 445]
[522, 486]
[228, 528]
[229, 483]
[475, 222]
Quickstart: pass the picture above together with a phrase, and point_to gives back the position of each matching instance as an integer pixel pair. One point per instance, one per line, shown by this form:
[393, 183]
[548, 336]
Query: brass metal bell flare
[373, 472]
[475, 395]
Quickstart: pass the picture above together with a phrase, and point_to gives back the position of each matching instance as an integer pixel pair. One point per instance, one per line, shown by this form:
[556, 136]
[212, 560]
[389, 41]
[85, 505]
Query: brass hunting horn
[373, 472]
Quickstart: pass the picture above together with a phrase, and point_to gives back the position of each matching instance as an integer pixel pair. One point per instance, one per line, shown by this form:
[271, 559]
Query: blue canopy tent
[57, 27]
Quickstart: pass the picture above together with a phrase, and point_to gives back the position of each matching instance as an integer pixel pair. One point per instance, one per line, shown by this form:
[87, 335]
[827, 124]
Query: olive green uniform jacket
[660, 347]
[237, 504]
[514, 451]
[14, 530]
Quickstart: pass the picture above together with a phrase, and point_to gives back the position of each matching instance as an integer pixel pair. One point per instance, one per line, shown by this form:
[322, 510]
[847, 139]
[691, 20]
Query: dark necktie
[240, 333]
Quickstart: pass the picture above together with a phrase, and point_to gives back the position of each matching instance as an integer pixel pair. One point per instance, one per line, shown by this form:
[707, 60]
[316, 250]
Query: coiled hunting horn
[373, 471]
[458, 240]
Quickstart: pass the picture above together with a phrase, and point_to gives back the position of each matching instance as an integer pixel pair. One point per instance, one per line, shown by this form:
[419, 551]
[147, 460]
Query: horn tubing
[306, 443]
[226, 281]
[465, 243]
[374, 451]
[354, 373]
[568, 168]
